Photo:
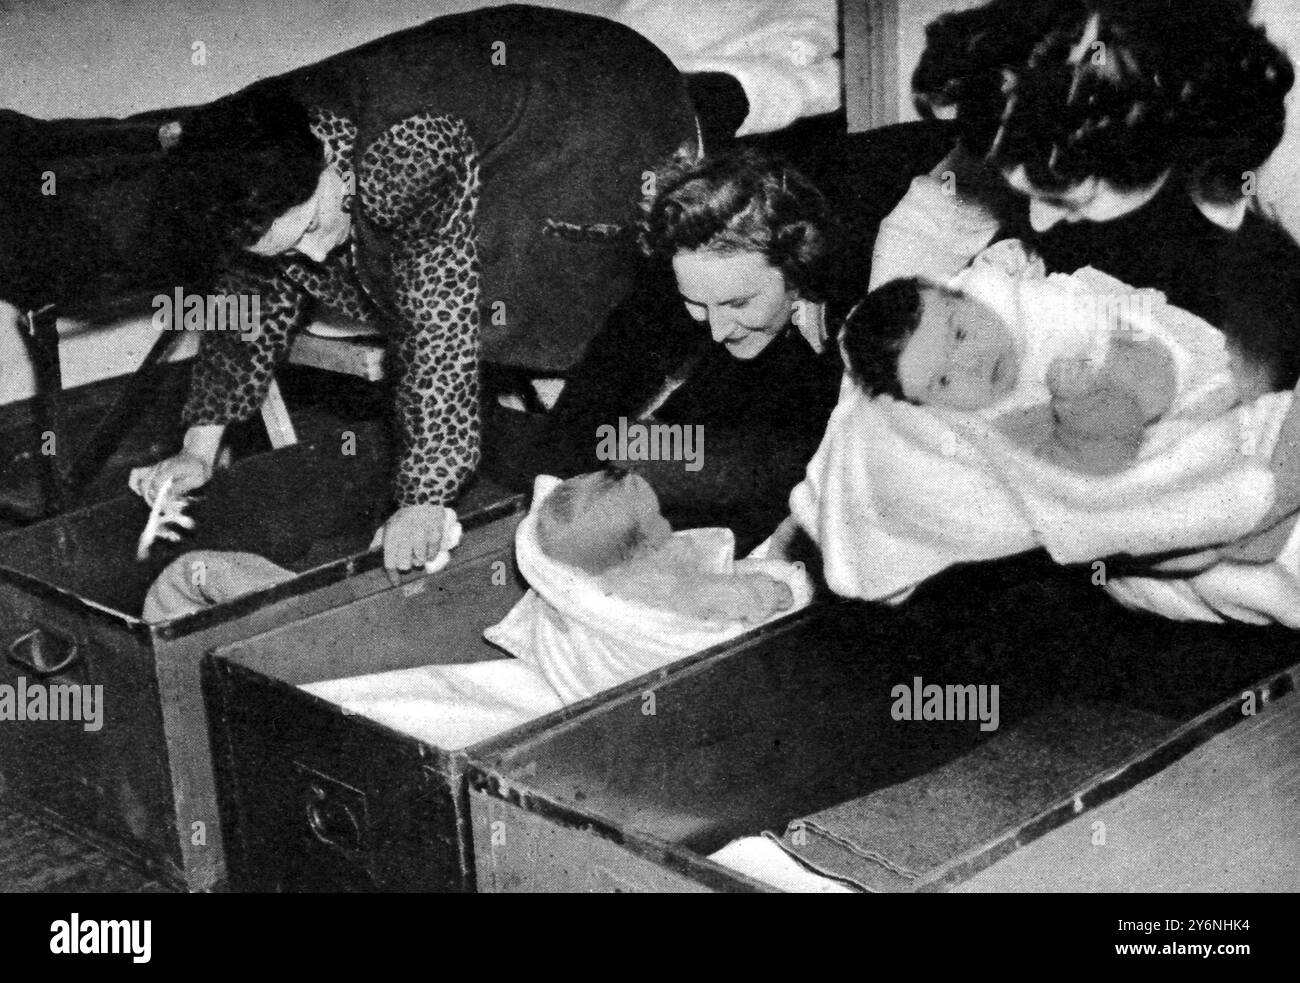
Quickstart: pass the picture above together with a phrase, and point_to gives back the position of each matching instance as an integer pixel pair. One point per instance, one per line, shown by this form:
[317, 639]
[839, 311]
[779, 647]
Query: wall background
[117, 57]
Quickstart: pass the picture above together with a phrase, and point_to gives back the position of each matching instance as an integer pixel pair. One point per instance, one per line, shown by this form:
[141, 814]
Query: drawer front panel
[105, 771]
[313, 799]
[516, 851]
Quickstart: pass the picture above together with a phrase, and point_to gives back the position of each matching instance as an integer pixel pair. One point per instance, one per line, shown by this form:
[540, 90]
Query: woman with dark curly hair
[745, 241]
[1122, 135]
[1134, 129]
[466, 185]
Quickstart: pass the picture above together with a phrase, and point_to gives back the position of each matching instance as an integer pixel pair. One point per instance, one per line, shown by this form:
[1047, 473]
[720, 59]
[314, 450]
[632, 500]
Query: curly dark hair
[239, 164]
[1117, 89]
[875, 333]
[744, 201]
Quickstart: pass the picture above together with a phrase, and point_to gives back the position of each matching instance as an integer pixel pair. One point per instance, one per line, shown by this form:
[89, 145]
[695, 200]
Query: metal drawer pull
[44, 652]
[332, 821]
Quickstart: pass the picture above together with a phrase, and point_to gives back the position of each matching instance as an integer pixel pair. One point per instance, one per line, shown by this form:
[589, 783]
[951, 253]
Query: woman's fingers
[411, 538]
[138, 481]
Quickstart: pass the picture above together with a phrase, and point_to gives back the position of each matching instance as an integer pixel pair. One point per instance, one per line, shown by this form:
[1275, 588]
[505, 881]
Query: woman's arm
[233, 371]
[230, 379]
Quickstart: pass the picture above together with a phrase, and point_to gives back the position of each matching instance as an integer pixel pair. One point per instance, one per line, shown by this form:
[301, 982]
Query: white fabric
[1078, 316]
[336, 326]
[1256, 593]
[763, 859]
[929, 234]
[450, 706]
[781, 51]
[897, 493]
[584, 641]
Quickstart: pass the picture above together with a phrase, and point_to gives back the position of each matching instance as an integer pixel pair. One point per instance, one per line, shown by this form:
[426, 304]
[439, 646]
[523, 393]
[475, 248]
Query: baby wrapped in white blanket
[899, 492]
[649, 597]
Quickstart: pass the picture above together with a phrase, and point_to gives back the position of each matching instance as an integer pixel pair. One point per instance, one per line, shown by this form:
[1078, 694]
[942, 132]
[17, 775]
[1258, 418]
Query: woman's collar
[1226, 215]
[810, 320]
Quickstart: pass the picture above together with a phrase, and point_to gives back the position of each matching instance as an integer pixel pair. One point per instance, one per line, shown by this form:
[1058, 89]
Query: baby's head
[929, 344]
[597, 521]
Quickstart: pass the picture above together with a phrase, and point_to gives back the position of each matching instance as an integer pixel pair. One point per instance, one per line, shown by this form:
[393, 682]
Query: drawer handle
[332, 821]
[44, 652]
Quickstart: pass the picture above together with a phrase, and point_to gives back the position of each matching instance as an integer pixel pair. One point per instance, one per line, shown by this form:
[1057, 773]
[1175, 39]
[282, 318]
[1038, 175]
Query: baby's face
[962, 354]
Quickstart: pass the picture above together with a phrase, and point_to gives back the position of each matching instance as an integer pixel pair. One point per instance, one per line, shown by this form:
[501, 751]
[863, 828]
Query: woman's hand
[191, 468]
[185, 470]
[411, 538]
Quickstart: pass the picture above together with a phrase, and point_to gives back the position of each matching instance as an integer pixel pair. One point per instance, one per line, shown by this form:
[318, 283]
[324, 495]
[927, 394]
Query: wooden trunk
[318, 799]
[71, 594]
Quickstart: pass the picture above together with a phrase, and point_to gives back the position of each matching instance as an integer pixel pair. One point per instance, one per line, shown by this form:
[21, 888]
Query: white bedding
[781, 51]
[897, 493]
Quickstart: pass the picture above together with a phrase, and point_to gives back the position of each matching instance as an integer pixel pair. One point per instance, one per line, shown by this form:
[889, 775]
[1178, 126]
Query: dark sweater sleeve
[645, 339]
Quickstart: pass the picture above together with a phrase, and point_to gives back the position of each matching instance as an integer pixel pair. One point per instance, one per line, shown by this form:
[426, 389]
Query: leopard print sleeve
[420, 182]
[232, 373]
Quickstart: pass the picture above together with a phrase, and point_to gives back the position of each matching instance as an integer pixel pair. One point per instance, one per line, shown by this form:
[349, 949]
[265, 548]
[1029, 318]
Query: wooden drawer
[316, 798]
[141, 786]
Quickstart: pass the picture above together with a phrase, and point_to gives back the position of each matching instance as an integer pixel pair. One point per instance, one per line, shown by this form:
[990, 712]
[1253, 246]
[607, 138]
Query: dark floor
[37, 857]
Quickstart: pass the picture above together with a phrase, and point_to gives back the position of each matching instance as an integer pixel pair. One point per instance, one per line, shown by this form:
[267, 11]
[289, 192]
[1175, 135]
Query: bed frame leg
[279, 427]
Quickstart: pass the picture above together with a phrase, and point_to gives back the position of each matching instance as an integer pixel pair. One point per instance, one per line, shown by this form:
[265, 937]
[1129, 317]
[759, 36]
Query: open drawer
[799, 730]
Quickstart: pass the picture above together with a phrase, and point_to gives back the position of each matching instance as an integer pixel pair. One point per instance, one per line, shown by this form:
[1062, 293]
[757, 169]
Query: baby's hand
[1070, 378]
[751, 598]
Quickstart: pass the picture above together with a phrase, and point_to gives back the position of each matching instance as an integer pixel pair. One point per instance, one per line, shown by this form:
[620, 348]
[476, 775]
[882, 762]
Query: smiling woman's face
[741, 297]
[313, 229]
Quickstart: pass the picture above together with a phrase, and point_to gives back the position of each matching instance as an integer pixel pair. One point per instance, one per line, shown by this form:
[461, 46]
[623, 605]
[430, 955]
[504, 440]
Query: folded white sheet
[450, 706]
[763, 859]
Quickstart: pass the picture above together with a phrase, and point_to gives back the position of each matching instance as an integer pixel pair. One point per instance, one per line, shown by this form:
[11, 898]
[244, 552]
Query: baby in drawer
[614, 593]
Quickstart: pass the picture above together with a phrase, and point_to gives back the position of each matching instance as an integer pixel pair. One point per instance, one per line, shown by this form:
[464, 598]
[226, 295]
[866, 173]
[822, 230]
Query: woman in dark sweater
[727, 332]
[1127, 135]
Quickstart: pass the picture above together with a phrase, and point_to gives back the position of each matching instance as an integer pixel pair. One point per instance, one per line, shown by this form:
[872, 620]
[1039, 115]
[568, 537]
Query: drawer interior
[260, 506]
[300, 507]
[431, 620]
[800, 720]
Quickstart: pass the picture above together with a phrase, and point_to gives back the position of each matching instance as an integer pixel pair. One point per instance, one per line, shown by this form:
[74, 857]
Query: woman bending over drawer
[457, 184]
